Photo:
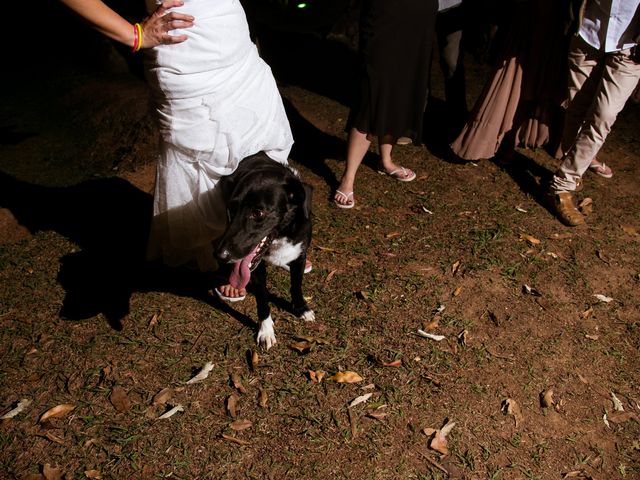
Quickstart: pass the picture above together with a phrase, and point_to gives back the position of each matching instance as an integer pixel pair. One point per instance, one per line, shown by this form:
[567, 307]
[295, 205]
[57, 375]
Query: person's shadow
[109, 220]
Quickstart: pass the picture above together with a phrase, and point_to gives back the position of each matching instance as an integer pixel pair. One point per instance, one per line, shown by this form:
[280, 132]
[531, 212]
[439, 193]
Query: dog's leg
[266, 334]
[300, 307]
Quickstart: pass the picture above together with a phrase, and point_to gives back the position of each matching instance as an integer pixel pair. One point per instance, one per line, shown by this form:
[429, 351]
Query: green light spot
[302, 5]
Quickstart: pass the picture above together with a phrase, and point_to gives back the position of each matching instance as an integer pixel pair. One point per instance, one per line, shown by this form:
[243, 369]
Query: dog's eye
[257, 214]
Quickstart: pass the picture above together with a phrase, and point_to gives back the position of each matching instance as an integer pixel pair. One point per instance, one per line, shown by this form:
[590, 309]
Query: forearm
[103, 19]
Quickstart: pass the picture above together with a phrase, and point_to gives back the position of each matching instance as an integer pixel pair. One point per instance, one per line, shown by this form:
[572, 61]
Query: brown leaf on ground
[163, 396]
[238, 441]
[546, 399]
[302, 347]
[457, 291]
[429, 326]
[330, 276]
[346, 377]
[587, 313]
[439, 441]
[353, 422]
[530, 239]
[395, 363]
[317, 376]
[237, 384]
[629, 230]
[53, 438]
[255, 359]
[263, 398]
[93, 474]
[119, 399]
[622, 416]
[511, 407]
[240, 424]
[154, 319]
[51, 473]
[232, 401]
[578, 474]
[392, 235]
[57, 411]
[379, 413]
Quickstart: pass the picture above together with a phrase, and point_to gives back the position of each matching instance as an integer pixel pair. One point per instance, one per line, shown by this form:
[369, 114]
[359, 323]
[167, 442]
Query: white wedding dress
[217, 103]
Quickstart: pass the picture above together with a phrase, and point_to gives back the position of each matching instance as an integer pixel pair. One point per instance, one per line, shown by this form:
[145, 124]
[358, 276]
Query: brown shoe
[565, 209]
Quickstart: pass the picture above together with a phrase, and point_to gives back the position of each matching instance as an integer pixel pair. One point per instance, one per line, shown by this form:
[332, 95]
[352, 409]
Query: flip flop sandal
[229, 299]
[401, 174]
[601, 169]
[346, 196]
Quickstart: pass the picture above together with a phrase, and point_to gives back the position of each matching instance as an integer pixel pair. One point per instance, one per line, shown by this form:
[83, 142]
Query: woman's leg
[385, 144]
[357, 147]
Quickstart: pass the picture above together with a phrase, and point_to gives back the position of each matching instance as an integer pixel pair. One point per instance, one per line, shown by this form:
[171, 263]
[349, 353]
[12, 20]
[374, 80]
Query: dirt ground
[538, 368]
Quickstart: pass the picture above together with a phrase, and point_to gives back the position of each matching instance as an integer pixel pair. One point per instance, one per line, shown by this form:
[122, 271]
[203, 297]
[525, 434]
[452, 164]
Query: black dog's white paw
[266, 335]
[308, 316]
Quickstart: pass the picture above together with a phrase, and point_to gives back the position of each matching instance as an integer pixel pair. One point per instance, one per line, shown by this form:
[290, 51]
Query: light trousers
[599, 86]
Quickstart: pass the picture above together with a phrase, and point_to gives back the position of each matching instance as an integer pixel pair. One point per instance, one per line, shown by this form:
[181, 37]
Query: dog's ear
[299, 194]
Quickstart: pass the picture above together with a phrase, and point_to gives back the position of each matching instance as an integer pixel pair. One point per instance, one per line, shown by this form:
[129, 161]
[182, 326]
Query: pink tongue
[241, 274]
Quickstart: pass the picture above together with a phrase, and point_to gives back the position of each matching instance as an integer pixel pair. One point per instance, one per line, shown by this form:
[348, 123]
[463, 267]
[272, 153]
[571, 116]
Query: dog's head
[262, 205]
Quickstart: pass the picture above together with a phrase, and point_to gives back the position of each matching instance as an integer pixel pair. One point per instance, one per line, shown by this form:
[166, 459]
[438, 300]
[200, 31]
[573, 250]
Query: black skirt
[396, 41]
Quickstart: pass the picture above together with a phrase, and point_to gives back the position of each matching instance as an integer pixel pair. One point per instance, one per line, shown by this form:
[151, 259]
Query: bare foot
[231, 293]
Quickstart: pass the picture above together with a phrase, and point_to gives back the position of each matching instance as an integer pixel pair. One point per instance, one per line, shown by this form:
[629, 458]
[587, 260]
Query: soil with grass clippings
[466, 251]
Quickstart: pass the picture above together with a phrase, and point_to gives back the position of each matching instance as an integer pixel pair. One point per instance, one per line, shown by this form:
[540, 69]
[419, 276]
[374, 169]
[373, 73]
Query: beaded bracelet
[137, 37]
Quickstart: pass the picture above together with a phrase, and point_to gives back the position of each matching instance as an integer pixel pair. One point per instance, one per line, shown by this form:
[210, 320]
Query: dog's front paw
[266, 334]
[308, 316]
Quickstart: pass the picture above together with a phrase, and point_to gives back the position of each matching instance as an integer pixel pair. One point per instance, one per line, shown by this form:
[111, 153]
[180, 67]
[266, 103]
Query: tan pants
[599, 86]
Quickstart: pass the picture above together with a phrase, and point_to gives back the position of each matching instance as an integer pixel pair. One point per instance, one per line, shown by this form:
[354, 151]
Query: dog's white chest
[282, 252]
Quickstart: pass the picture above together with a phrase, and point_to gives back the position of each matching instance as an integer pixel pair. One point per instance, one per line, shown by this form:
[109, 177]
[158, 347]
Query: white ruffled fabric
[217, 103]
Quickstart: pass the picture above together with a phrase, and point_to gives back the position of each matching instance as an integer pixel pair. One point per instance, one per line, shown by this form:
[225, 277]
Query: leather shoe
[565, 209]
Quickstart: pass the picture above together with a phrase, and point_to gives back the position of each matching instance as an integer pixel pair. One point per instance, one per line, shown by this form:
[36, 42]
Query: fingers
[157, 28]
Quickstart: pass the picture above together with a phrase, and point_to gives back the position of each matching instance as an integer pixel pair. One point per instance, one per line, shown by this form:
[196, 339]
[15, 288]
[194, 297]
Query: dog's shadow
[108, 219]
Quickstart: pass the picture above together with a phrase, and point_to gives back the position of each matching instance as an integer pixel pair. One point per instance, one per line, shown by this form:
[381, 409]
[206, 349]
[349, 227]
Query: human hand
[156, 28]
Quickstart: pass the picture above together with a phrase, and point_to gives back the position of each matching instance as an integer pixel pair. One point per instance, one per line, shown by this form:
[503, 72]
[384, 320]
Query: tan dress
[520, 102]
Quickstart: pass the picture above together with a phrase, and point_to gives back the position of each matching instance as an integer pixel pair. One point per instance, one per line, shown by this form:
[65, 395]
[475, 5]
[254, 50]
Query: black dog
[269, 212]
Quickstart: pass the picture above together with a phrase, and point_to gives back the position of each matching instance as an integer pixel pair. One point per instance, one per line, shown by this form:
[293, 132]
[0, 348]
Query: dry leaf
[520, 209]
[603, 298]
[317, 376]
[163, 396]
[455, 267]
[457, 291]
[330, 276]
[531, 291]
[606, 421]
[353, 423]
[530, 239]
[603, 257]
[154, 319]
[579, 474]
[368, 387]
[360, 399]
[255, 359]
[546, 399]
[171, 412]
[587, 312]
[439, 440]
[431, 336]
[237, 384]
[393, 235]
[263, 399]
[239, 441]
[395, 363]
[432, 325]
[57, 411]
[463, 337]
[51, 473]
[92, 474]
[346, 377]
[617, 404]
[511, 407]
[202, 374]
[119, 399]
[592, 337]
[303, 347]
[622, 416]
[378, 413]
[586, 206]
[22, 404]
[232, 401]
[239, 425]
[53, 438]
[630, 230]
